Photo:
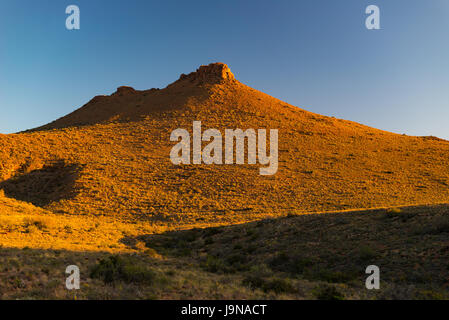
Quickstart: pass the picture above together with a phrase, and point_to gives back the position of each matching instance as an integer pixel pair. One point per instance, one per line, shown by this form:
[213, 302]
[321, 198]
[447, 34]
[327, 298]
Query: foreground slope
[111, 158]
[317, 256]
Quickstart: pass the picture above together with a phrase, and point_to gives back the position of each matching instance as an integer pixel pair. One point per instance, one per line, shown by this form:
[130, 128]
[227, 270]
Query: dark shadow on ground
[410, 245]
[53, 182]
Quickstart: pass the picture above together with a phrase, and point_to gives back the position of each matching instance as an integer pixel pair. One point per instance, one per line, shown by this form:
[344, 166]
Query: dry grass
[297, 257]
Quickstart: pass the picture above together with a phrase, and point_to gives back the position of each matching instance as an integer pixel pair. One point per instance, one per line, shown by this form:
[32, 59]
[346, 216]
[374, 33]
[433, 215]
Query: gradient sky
[314, 54]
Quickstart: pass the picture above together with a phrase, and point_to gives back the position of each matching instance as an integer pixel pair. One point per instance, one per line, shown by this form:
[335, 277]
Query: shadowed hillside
[317, 256]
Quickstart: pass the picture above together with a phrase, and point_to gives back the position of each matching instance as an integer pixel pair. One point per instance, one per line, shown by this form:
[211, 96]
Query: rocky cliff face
[212, 73]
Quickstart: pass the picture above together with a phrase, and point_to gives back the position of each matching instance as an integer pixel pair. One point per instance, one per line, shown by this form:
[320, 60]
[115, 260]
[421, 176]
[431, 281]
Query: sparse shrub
[14, 262]
[116, 268]
[254, 237]
[327, 292]
[237, 262]
[231, 264]
[189, 236]
[254, 282]
[294, 265]
[291, 214]
[184, 251]
[418, 276]
[175, 244]
[209, 232]
[436, 226]
[19, 283]
[33, 224]
[236, 259]
[281, 259]
[250, 232]
[431, 295]
[397, 213]
[328, 275]
[261, 270]
[31, 229]
[170, 273]
[214, 264]
[394, 210]
[396, 292]
[277, 285]
[341, 220]
[366, 254]
[68, 229]
[250, 249]
[152, 253]
[392, 213]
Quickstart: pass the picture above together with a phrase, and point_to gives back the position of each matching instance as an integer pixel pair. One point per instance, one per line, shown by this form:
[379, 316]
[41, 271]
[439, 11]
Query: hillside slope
[111, 158]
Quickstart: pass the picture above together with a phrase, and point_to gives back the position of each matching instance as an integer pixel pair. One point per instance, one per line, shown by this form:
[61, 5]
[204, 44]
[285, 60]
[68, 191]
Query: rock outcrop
[211, 74]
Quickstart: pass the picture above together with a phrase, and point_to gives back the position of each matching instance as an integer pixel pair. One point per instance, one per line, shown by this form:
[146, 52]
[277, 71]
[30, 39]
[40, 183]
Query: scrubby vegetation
[297, 257]
[116, 268]
[99, 182]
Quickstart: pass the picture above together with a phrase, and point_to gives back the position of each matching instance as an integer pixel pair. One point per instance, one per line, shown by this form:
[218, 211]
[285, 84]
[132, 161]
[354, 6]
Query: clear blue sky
[315, 54]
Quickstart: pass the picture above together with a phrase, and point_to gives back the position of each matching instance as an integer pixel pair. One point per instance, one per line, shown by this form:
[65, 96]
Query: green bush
[277, 285]
[214, 264]
[367, 254]
[116, 268]
[436, 226]
[327, 292]
[328, 275]
[294, 265]
[209, 232]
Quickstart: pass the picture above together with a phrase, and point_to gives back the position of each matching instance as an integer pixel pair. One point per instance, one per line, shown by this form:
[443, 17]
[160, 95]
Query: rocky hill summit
[114, 156]
[213, 73]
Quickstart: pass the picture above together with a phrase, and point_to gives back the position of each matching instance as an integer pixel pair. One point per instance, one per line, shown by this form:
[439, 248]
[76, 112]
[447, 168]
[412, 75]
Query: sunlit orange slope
[111, 157]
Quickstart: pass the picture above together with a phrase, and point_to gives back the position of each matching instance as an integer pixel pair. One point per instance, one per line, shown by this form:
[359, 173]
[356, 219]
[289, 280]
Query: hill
[111, 158]
[99, 180]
